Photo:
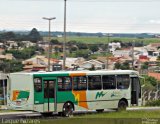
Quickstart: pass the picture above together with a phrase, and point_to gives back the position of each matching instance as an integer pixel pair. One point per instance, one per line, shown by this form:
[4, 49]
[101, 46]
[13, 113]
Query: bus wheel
[100, 110]
[67, 109]
[47, 114]
[122, 105]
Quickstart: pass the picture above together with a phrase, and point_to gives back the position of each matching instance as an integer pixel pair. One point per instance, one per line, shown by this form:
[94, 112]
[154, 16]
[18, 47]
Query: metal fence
[150, 96]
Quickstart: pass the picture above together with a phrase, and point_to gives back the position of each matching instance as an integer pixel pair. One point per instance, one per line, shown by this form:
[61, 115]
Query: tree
[82, 45]
[25, 53]
[92, 68]
[117, 65]
[150, 83]
[83, 53]
[7, 36]
[158, 58]
[123, 66]
[34, 35]
[144, 65]
[54, 42]
[11, 66]
[94, 48]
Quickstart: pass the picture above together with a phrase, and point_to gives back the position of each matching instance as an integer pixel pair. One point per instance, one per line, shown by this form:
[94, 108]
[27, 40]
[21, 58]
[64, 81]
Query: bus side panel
[106, 99]
[78, 98]
[20, 92]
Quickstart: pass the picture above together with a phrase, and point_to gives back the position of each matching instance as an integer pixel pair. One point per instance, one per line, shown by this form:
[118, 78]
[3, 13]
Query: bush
[153, 103]
[1, 102]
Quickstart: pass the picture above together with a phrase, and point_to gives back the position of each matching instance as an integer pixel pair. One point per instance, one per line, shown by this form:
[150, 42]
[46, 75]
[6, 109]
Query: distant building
[38, 63]
[113, 46]
[72, 62]
[28, 43]
[6, 57]
[120, 53]
[89, 64]
[12, 44]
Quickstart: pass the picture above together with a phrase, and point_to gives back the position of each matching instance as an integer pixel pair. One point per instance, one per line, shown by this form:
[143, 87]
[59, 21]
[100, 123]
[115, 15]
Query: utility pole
[133, 44]
[64, 42]
[49, 39]
[107, 61]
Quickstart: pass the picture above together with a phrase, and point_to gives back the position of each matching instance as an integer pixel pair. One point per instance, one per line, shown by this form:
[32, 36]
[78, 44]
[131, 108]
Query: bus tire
[100, 110]
[122, 105]
[67, 109]
[47, 114]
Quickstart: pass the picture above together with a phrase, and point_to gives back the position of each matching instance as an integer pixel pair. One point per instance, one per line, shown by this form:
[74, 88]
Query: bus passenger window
[94, 83]
[123, 81]
[109, 82]
[79, 83]
[64, 84]
[38, 84]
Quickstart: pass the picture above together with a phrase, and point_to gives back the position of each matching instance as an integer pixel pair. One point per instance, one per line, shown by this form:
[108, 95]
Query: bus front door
[49, 95]
[135, 91]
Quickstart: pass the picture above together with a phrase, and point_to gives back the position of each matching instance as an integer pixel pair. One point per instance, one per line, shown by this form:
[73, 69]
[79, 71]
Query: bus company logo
[115, 94]
[100, 94]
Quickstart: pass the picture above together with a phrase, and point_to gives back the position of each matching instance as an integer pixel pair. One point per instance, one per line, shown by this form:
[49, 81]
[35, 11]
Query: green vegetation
[33, 36]
[153, 103]
[123, 66]
[102, 40]
[150, 83]
[25, 53]
[124, 117]
[11, 66]
[123, 114]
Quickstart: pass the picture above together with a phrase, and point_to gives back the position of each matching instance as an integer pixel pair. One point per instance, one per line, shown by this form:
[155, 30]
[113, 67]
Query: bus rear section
[20, 91]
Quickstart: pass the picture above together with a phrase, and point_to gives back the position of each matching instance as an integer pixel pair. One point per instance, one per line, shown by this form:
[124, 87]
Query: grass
[124, 114]
[99, 40]
[124, 117]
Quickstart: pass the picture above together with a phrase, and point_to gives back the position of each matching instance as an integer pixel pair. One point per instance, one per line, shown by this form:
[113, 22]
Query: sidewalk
[143, 108]
[3, 107]
[15, 112]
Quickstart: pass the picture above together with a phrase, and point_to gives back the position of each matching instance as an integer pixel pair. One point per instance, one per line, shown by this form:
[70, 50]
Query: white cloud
[154, 21]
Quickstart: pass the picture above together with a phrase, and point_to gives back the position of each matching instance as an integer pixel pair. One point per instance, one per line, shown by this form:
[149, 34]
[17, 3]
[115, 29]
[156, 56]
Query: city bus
[68, 91]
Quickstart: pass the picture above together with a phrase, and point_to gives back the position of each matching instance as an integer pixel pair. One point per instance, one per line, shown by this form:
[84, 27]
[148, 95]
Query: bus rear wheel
[100, 110]
[67, 109]
[122, 105]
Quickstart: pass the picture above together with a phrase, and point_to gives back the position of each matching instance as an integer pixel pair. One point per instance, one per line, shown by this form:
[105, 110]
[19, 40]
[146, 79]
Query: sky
[107, 16]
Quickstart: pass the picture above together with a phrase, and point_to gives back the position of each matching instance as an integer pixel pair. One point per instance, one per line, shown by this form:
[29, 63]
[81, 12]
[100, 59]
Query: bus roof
[97, 72]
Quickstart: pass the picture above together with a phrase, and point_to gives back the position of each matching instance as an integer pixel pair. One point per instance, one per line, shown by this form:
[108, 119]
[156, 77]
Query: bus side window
[94, 82]
[64, 84]
[123, 81]
[38, 84]
[109, 82]
[80, 83]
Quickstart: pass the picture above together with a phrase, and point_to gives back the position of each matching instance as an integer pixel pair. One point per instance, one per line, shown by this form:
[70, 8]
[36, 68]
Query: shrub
[153, 103]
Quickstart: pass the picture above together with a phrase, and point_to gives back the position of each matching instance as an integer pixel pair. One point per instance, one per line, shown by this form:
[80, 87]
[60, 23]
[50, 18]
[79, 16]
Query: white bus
[68, 91]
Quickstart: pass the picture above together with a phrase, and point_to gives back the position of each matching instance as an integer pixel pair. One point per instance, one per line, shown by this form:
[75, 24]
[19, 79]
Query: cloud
[154, 21]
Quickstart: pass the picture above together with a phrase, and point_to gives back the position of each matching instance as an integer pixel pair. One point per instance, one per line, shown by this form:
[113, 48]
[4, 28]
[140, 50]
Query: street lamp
[107, 50]
[64, 42]
[49, 38]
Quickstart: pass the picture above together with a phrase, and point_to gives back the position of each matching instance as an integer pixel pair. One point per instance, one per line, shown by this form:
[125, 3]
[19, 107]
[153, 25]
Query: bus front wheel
[122, 105]
[67, 109]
